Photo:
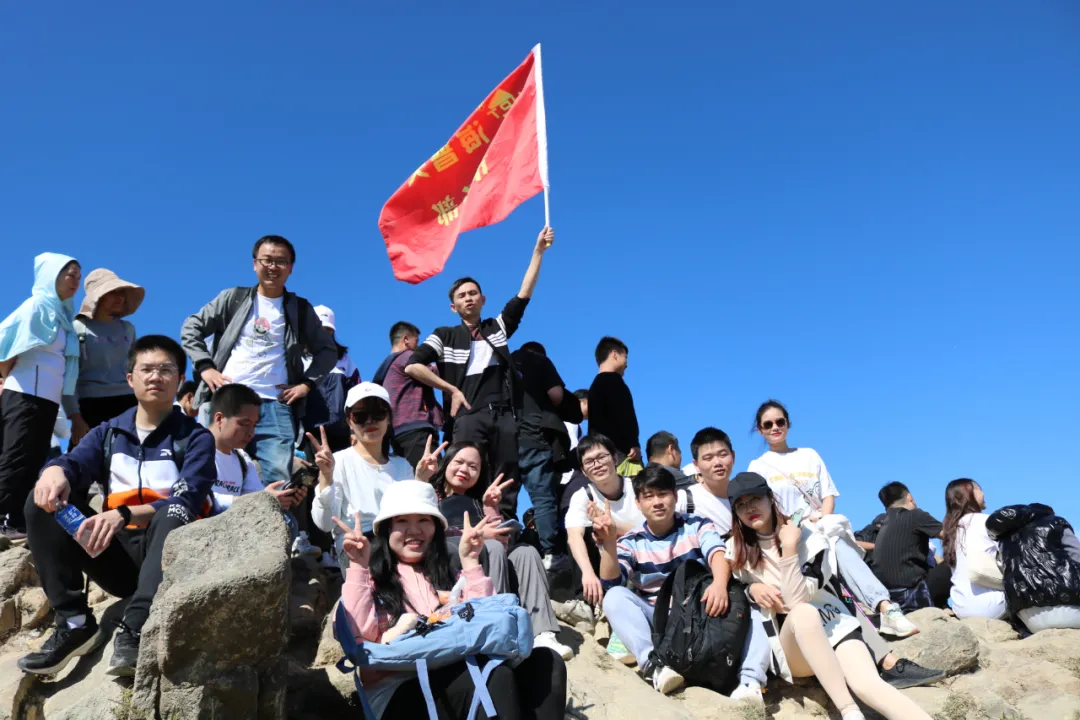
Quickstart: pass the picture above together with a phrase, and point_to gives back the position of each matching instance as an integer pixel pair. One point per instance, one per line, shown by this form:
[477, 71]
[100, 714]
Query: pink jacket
[369, 623]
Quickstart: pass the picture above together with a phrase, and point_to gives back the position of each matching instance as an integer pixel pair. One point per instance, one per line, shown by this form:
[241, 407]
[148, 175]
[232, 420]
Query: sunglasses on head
[362, 417]
[780, 422]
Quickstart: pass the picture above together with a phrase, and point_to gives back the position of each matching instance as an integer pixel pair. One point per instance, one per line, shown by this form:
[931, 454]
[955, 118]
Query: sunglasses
[780, 422]
[362, 417]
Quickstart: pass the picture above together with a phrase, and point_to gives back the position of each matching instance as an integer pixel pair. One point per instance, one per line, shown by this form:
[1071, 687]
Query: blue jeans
[859, 578]
[631, 619]
[539, 477]
[275, 437]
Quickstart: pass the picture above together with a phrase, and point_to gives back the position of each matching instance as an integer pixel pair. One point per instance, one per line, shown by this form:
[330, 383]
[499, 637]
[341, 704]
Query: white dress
[967, 598]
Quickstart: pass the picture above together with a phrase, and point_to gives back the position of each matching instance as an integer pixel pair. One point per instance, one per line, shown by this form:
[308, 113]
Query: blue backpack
[496, 627]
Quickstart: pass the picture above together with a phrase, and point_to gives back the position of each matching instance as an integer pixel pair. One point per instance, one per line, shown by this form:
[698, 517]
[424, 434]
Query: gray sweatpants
[523, 569]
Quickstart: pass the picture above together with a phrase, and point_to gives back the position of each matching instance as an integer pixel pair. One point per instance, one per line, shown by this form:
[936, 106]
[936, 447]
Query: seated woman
[818, 636]
[1041, 559]
[405, 570]
[513, 567]
[966, 545]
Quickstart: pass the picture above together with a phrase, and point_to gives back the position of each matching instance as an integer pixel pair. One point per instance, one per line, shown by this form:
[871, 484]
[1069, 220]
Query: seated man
[902, 548]
[234, 414]
[715, 458]
[157, 467]
[646, 556]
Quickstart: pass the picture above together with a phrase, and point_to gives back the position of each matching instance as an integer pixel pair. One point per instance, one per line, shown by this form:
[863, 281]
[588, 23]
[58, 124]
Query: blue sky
[867, 212]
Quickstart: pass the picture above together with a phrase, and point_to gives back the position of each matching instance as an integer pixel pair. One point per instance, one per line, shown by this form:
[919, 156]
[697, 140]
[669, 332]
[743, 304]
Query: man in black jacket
[480, 387]
[611, 406]
[544, 443]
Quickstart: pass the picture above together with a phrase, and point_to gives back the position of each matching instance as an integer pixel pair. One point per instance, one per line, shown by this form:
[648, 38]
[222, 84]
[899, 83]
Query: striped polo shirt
[647, 560]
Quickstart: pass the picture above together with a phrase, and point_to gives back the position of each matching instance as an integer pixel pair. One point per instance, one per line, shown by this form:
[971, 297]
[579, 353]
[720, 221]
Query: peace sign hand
[493, 495]
[603, 525]
[472, 540]
[324, 458]
[356, 546]
[429, 463]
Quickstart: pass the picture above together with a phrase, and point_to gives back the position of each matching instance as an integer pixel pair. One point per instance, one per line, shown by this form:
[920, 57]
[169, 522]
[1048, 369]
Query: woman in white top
[963, 536]
[352, 481]
[39, 362]
[797, 476]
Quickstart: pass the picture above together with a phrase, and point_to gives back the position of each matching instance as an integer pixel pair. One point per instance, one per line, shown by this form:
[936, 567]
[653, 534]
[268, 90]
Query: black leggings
[534, 690]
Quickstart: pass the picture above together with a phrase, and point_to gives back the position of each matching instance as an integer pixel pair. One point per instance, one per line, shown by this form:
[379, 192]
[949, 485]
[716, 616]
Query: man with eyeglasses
[157, 467]
[261, 335]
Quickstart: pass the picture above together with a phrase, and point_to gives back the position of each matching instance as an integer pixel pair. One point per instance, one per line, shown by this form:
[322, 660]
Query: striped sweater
[647, 560]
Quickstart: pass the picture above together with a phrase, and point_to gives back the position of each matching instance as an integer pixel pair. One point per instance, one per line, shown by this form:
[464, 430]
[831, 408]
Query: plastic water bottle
[71, 519]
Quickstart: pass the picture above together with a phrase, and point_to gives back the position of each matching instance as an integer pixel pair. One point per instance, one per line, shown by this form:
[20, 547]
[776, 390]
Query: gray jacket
[224, 318]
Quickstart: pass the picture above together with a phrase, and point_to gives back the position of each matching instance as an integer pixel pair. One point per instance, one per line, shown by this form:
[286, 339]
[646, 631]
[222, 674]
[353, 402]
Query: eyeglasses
[361, 417]
[273, 262]
[780, 422]
[165, 371]
[595, 461]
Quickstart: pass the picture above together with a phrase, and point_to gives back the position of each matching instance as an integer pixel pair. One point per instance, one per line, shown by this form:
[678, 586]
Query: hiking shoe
[556, 562]
[894, 623]
[572, 612]
[65, 645]
[618, 651]
[750, 690]
[302, 546]
[666, 680]
[13, 534]
[549, 641]
[906, 674]
[125, 652]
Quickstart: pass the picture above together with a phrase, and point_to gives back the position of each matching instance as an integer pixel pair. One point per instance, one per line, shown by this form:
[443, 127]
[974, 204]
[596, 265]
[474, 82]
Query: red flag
[494, 162]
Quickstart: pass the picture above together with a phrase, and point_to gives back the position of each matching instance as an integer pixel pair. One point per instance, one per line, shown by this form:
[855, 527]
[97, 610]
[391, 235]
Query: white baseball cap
[408, 497]
[366, 390]
[326, 317]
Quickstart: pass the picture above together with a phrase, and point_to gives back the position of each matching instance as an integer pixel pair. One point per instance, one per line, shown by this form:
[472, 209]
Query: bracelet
[125, 512]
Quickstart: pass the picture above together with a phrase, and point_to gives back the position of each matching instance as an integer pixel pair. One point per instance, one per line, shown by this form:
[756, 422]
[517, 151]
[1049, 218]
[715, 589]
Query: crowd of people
[410, 497]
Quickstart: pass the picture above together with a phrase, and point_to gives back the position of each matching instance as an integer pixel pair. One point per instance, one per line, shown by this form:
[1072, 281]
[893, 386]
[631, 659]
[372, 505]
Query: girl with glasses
[352, 481]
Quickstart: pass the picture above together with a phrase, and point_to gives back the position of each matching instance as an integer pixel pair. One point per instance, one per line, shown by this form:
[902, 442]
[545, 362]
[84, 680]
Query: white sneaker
[666, 680]
[894, 623]
[549, 641]
[618, 651]
[751, 691]
[572, 612]
[556, 563]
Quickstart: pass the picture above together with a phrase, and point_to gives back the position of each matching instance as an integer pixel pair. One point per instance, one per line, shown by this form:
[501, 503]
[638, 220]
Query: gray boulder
[213, 645]
[943, 642]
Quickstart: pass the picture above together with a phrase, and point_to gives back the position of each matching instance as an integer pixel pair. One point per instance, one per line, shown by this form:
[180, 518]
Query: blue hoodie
[36, 322]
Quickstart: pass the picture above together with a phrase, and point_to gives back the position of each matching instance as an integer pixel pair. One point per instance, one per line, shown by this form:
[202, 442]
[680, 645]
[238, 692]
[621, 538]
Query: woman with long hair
[963, 539]
[406, 569]
[818, 636]
[39, 367]
[513, 567]
[352, 481]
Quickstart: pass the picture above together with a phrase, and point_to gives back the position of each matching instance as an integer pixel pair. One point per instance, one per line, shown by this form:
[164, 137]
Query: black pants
[98, 410]
[495, 431]
[131, 565]
[28, 425]
[410, 445]
[534, 690]
[940, 581]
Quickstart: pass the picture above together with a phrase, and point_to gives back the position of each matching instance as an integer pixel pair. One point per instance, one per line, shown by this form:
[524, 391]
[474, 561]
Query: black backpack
[704, 650]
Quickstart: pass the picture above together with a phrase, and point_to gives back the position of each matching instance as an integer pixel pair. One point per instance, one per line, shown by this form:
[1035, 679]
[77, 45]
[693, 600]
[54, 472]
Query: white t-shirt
[229, 485]
[40, 371]
[969, 599]
[787, 472]
[624, 511]
[358, 487]
[707, 505]
[258, 359]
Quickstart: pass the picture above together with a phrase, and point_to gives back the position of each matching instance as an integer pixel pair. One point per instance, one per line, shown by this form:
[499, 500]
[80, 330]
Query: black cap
[747, 483]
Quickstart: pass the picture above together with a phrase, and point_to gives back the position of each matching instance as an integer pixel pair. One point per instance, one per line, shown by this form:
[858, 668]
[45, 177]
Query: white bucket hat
[326, 317]
[408, 497]
[366, 390]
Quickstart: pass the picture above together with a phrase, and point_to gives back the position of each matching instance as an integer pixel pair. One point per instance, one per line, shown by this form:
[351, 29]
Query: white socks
[852, 714]
[76, 622]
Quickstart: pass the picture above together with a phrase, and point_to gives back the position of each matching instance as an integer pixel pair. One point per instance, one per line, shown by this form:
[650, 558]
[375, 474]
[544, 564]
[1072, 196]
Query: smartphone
[304, 477]
[513, 525]
[797, 518]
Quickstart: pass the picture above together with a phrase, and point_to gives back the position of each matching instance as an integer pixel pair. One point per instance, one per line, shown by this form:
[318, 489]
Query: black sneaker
[906, 674]
[125, 651]
[65, 645]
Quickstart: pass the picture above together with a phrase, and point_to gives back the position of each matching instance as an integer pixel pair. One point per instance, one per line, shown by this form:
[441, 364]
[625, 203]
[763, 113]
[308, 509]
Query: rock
[329, 651]
[16, 571]
[991, 631]
[17, 701]
[9, 616]
[5, 543]
[307, 597]
[943, 642]
[96, 596]
[1065, 707]
[34, 607]
[213, 644]
[703, 704]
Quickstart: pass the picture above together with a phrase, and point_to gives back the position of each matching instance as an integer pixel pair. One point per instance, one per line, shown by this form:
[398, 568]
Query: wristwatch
[125, 512]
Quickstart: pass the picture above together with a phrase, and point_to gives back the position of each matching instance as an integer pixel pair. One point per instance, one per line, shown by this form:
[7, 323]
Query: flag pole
[541, 137]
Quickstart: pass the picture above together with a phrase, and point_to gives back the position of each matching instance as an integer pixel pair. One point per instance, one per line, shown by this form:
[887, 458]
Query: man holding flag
[476, 374]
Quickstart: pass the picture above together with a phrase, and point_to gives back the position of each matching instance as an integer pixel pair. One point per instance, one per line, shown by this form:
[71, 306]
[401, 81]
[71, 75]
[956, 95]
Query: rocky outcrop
[213, 645]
